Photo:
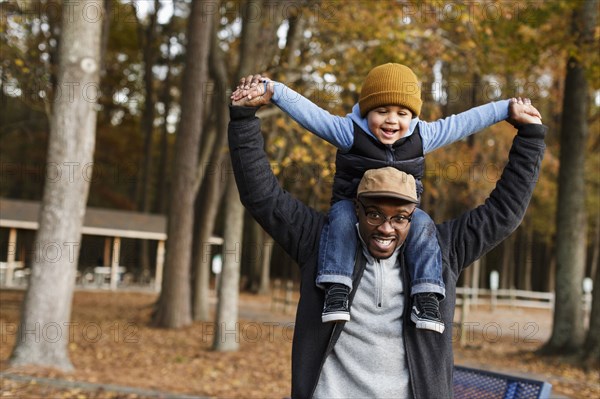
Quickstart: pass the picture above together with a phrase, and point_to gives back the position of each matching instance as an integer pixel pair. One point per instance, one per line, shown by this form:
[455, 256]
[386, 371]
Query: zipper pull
[378, 284]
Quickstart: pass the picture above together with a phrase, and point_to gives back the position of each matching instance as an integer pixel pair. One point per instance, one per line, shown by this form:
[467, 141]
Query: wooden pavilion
[111, 224]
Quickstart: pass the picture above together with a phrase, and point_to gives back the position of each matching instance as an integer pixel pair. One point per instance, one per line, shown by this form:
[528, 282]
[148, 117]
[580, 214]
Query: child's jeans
[339, 241]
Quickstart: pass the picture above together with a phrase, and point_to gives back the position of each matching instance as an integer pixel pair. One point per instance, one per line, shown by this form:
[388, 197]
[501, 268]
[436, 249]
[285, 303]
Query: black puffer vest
[366, 153]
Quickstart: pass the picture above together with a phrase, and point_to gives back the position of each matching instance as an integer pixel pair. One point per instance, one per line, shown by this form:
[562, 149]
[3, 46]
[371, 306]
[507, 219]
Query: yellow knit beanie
[390, 84]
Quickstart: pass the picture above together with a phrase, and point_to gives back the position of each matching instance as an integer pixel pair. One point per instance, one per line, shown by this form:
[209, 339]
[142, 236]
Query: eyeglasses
[375, 218]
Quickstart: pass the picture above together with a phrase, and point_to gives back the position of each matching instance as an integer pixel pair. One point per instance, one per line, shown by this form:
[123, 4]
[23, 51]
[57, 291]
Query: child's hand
[244, 85]
[521, 112]
[253, 90]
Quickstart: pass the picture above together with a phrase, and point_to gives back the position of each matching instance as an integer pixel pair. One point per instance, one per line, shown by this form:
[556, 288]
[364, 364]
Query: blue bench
[480, 384]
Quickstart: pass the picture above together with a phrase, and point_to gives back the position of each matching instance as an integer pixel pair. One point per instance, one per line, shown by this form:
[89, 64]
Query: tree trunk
[568, 329]
[247, 266]
[146, 37]
[542, 269]
[160, 204]
[518, 261]
[527, 258]
[43, 331]
[228, 299]
[226, 330]
[476, 86]
[508, 262]
[551, 269]
[212, 184]
[209, 145]
[520, 258]
[595, 249]
[591, 353]
[160, 200]
[174, 305]
[292, 46]
[105, 36]
[256, 254]
[265, 273]
[212, 192]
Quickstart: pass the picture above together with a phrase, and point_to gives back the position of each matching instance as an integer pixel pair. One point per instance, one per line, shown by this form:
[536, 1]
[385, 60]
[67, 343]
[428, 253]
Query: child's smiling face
[389, 122]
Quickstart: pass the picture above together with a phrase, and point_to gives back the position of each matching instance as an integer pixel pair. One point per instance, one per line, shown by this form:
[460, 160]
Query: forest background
[166, 69]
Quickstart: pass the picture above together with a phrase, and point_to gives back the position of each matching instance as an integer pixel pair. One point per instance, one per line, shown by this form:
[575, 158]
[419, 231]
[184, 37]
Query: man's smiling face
[383, 240]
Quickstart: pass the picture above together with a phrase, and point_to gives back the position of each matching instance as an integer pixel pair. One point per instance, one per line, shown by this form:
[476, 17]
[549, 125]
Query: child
[382, 130]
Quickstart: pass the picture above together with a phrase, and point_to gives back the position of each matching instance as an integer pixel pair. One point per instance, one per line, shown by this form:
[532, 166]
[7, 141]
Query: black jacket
[406, 154]
[297, 228]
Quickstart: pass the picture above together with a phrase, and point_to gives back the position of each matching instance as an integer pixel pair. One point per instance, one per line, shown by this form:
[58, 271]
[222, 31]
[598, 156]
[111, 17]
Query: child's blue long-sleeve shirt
[339, 130]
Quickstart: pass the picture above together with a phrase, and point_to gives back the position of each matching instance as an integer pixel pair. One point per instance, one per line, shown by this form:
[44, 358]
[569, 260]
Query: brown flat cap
[388, 182]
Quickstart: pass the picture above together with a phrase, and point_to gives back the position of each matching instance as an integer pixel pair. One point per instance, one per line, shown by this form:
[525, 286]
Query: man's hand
[521, 112]
[253, 91]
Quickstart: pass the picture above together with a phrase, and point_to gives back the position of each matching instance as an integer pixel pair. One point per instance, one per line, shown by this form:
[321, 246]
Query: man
[377, 354]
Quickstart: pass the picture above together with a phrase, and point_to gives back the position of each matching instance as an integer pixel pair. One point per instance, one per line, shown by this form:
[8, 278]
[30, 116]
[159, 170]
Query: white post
[475, 280]
[588, 288]
[10, 261]
[217, 268]
[494, 284]
[114, 267]
[160, 263]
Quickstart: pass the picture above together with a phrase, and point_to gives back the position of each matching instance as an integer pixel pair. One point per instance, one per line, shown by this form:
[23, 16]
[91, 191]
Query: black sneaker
[426, 312]
[336, 304]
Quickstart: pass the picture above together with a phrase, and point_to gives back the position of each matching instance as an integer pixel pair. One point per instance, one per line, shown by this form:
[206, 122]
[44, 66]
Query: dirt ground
[111, 343]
